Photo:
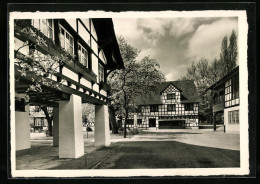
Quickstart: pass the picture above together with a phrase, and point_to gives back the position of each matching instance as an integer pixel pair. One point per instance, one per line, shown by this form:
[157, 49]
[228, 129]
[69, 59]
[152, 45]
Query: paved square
[182, 148]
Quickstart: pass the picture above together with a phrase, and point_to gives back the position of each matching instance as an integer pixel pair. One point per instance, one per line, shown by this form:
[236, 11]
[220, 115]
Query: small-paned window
[154, 108]
[139, 121]
[171, 107]
[101, 73]
[45, 26]
[188, 107]
[235, 87]
[233, 117]
[66, 41]
[83, 55]
[171, 96]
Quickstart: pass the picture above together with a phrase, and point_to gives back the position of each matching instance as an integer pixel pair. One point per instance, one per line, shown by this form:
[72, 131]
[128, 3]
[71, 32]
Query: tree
[232, 49]
[37, 64]
[136, 79]
[205, 73]
[228, 55]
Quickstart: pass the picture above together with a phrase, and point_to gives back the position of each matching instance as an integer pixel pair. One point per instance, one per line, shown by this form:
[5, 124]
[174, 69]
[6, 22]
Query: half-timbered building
[86, 50]
[175, 104]
[225, 96]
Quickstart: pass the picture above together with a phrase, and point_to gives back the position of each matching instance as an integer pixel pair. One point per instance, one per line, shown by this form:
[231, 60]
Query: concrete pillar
[135, 120]
[71, 144]
[157, 123]
[102, 133]
[55, 126]
[22, 129]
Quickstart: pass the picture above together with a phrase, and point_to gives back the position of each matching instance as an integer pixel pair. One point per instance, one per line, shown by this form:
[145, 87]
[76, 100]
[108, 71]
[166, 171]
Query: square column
[22, 129]
[55, 126]
[135, 120]
[71, 144]
[157, 123]
[102, 133]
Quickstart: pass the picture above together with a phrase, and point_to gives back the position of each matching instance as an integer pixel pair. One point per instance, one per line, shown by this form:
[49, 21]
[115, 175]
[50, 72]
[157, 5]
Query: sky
[176, 42]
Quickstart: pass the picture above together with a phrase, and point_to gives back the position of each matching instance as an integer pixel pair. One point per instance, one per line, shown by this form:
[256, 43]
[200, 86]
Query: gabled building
[85, 51]
[175, 104]
[225, 96]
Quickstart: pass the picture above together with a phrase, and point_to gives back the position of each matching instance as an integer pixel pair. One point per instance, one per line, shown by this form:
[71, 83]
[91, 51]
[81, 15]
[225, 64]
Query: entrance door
[152, 122]
[175, 124]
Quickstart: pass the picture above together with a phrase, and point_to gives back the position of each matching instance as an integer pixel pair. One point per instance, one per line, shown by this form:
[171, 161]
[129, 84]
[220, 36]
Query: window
[235, 87]
[139, 121]
[39, 121]
[188, 107]
[83, 55]
[171, 96]
[101, 73]
[171, 107]
[45, 26]
[66, 41]
[233, 117]
[154, 108]
[130, 122]
[139, 109]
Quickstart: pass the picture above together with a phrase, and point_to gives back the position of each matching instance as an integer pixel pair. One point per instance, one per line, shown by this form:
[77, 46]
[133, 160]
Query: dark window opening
[235, 87]
[130, 121]
[154, 108]
[139, 121]
[188, 107]
[171, 107]
[171, 96]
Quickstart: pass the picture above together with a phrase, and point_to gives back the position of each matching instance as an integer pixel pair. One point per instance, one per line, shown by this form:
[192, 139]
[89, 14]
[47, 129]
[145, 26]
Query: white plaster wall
[102, 92]
[85, 83]
[95, 64]
[68, 73]
[84, 34]
[72, 23]
[86, 22]
[22, 129]
[96, 88]
[231, 127]
[55, 126]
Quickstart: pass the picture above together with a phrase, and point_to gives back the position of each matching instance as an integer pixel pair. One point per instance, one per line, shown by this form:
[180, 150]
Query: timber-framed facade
[225, 96]
[175, 104]
[85, 51]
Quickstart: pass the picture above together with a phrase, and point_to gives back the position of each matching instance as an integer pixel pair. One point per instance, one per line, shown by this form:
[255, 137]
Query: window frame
[171, 109]
[45, 23]
[186, 105]
[102, 77]
[65, 34]
[154, 108]
[83, 55]
[173, 96]
[233, 117]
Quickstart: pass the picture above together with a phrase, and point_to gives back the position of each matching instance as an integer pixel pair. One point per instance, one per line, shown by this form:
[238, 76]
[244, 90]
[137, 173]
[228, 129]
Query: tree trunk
[126, 117]
[112, 119]
[49, 119]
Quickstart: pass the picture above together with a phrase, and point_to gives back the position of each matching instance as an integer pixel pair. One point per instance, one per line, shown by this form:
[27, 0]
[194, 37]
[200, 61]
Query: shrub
[121, 129]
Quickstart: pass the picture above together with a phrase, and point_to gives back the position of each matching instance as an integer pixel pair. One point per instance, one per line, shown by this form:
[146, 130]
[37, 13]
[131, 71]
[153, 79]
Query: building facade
[175, 104]
[225, 94]
[85, 51]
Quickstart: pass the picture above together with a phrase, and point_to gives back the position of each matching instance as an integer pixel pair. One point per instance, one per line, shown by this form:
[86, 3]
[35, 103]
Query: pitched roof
[187, 87]
[224, 78]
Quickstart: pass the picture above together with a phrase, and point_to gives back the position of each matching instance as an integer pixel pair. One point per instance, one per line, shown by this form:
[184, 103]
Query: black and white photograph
[123, 94]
